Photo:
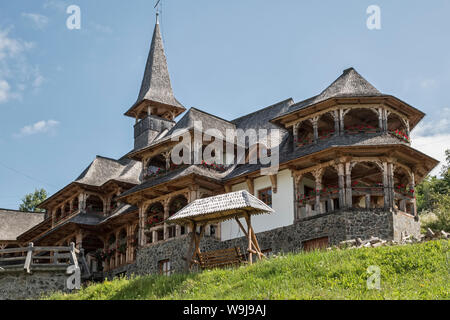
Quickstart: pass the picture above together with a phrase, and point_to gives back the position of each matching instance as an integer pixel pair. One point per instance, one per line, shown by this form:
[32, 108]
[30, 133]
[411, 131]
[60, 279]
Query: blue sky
[63, 92]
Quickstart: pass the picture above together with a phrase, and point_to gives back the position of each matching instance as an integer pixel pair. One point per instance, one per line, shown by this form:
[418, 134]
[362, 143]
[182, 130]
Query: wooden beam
[250, 185]
[273, 180]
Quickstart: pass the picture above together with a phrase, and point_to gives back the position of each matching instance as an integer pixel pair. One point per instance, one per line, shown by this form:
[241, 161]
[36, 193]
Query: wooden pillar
[79, 239]
[341, 183]
[250, 185]
[385, 120]
[386, 186]
[380, 119]
[341, 122]
[314, 122]
[82, 202]
[141, 235]
[295, 134]
[249, 236]
[296, 179]
[318, 180]
[391, 184]
[348, 181]
[166, 216]
[367, 198]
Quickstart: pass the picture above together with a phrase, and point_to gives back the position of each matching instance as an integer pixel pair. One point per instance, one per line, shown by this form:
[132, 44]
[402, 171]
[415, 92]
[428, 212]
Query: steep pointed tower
[156, 107]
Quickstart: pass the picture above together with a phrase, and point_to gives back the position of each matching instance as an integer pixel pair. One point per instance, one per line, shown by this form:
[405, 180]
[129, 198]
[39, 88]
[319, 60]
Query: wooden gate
[315, 244]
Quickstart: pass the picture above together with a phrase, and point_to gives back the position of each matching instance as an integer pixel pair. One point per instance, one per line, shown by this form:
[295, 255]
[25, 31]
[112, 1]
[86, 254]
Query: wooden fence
[38, 257]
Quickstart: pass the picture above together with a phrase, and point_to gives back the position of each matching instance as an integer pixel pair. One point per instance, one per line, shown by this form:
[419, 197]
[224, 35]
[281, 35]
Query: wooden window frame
[262, 194]
[164, 267]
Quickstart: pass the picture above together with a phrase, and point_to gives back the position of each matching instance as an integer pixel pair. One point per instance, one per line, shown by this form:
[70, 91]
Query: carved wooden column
[141, 235]
[335, 115]
[314, 122]
[385, 117]
[386, 185]
[341, 122]
[166, 156]
[380, 119]
[391, 184]
[407, 128]
[348, 182]
[79, 239]
[295, 134]
[166, 216]
[318, 179]
[296, 180]
[341, 183]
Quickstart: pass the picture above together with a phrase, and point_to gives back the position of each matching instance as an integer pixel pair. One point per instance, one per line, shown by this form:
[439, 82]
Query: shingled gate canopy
[233, 205]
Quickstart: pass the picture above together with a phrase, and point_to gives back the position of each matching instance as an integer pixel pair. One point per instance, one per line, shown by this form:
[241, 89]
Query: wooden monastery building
[346, 170]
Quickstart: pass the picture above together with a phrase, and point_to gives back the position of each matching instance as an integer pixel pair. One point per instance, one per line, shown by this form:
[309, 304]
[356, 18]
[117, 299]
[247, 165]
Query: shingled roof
[221, 207]
[156, 86]
[190, 121]
[13, 223]
[349, 84]
[102, 170]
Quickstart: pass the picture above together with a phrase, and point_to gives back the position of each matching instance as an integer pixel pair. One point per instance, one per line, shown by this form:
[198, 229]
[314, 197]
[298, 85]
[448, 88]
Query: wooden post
[249, 236]
[73, 255]
[29, 257]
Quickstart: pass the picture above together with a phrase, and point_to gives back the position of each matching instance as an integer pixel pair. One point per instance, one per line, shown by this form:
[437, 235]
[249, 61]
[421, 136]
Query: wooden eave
[139, 110]
[414, 115]
[170, 186]
[76, 187]
[418, 161]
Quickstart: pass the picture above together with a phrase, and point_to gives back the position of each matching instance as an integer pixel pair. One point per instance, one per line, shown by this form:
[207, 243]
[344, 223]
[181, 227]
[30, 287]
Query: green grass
[419, 271]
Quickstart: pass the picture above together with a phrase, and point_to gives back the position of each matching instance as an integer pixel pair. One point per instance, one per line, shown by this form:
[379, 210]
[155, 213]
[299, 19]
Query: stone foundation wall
[18, 285]
[337, 226]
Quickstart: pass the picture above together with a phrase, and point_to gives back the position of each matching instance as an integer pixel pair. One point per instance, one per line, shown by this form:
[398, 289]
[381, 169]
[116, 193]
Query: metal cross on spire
[158, 9]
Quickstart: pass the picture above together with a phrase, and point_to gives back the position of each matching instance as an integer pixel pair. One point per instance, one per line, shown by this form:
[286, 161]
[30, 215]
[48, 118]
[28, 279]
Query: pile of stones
[374, 242]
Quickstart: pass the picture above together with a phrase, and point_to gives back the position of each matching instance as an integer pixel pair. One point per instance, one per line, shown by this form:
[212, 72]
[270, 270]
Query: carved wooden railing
[37, 257]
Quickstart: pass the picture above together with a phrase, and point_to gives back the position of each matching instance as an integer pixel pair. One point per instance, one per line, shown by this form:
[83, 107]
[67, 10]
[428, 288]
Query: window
[160, 234]
[164, 267]
[172, 231]
[182, 230]
[265, 195]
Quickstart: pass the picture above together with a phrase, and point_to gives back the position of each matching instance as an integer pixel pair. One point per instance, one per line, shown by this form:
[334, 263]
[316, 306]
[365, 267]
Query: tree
[32, 200]
[433, 198]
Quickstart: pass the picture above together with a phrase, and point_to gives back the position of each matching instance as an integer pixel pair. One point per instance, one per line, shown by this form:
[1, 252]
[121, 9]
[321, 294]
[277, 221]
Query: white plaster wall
[282, 203]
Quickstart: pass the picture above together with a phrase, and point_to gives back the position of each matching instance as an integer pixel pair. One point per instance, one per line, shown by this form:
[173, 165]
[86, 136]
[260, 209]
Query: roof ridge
[262, 109]
[3, 210]
[207, 113]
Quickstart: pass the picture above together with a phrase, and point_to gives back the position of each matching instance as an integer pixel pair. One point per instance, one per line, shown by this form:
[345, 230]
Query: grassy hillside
[419, 271]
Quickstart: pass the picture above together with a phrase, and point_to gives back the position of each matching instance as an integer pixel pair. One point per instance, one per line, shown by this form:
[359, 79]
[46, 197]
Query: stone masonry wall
[337, 226]
[18, 285]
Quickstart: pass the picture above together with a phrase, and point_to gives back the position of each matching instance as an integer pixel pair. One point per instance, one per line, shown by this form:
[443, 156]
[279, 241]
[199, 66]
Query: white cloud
[428, 83]
[38, 80]
[4, 91]
[101, 28]
[56, 4]
[40, 21]
[433, 126]
[38, 127]
[16, 72]
[11, 48]
[433, 146]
